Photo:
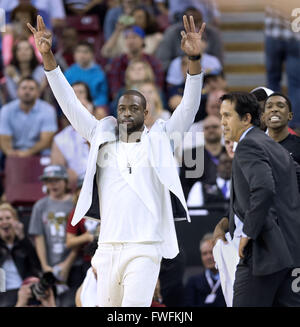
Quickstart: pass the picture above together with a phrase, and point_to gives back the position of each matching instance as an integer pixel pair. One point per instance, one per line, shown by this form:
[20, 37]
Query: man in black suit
[264, 209]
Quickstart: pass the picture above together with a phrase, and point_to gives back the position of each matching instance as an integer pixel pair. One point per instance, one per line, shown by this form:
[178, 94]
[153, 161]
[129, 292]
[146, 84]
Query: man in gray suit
[264, 209]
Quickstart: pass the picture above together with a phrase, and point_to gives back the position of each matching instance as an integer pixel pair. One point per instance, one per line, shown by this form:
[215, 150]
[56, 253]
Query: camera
[39, 289]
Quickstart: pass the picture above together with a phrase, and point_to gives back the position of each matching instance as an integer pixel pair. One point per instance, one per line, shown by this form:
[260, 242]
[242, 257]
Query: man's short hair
[288, 102]
[28, 78]
[85, 44]
[244, 103]
[139, 94]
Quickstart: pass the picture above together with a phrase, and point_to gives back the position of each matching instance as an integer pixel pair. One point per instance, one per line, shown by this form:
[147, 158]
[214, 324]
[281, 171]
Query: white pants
[88, 294]
[127, 273]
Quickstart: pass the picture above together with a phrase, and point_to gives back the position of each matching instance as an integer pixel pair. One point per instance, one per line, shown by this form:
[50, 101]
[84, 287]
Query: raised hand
[191, 41]
[42, 36]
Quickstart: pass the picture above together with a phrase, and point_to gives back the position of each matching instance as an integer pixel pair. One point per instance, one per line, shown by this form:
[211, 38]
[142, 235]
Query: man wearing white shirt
[264, 209]
[130, 175]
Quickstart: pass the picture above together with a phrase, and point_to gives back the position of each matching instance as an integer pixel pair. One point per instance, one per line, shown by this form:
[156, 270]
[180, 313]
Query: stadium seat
[22, 184]
[89, 30]
[84, 23]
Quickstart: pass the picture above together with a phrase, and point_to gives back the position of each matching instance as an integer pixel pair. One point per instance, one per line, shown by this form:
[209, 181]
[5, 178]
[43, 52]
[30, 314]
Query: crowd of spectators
[135, 45]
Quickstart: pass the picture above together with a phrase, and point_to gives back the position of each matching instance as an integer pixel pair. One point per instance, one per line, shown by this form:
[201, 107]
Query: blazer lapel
[162, 160]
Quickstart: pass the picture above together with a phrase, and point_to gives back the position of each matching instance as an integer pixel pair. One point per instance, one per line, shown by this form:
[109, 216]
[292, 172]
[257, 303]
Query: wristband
[194, 58]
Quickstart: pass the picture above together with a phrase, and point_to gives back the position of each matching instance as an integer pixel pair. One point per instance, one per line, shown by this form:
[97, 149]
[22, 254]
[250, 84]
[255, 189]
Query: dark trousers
[171, 280]
[274, 290]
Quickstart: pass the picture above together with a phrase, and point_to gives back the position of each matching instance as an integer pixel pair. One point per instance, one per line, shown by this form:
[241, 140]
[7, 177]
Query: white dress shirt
[124, 216]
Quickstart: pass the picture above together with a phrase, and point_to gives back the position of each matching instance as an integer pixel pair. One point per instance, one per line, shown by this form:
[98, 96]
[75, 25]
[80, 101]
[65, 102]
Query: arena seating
[22, 184]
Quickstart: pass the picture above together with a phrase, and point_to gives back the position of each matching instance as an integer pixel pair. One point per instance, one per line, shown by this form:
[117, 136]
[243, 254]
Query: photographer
[25, 295]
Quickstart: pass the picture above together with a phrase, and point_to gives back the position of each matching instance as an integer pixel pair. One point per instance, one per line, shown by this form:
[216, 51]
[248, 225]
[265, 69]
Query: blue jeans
[279, 52]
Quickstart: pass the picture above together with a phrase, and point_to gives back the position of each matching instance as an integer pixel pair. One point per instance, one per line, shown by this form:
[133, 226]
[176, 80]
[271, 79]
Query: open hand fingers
[192, 24]
[186, 24]
[32, 29]
[189, 25]
[201, 31]
[39, 23]
[42, 26]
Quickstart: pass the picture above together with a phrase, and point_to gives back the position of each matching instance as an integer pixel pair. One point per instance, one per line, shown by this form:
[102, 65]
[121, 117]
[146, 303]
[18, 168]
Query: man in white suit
[131, 177]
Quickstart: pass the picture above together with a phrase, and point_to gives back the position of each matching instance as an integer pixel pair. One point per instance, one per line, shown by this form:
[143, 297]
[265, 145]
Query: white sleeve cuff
[53, 71]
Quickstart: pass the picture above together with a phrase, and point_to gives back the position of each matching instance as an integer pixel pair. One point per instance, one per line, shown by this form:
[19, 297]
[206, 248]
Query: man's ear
[146, 112]
[290, 116]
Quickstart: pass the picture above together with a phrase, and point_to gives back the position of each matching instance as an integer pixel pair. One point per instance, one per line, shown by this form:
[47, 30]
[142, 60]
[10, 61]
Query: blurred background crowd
[105, 47]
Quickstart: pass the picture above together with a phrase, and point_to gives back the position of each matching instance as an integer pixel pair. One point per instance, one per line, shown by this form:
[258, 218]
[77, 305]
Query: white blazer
[160, 150]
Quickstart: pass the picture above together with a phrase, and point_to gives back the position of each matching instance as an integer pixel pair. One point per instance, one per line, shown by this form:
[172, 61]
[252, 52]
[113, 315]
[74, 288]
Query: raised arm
[43, 41]
[76, 113]
[191, 44]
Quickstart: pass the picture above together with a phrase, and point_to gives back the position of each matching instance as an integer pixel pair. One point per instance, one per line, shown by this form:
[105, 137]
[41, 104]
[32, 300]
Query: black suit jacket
[196, 291]
[24, 256]
[265, 197]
